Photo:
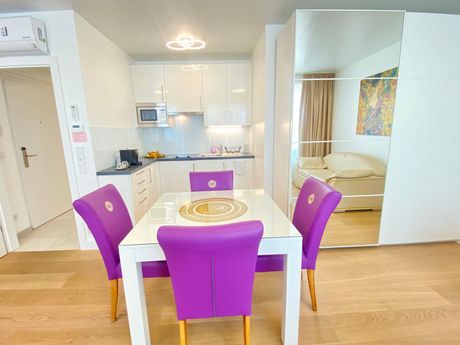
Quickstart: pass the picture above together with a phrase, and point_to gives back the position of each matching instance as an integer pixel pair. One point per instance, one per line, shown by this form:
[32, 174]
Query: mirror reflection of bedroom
[346, 66]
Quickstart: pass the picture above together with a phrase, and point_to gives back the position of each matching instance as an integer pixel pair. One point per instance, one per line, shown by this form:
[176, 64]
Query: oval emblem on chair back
[109, 206]
[311, 199]
[212, 184]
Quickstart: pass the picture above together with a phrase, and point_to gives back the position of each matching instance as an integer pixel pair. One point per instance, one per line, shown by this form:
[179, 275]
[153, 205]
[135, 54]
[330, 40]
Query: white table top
[165, 211]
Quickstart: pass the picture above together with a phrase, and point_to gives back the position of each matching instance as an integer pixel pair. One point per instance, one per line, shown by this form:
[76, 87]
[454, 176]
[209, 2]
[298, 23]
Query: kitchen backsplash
[188, 135]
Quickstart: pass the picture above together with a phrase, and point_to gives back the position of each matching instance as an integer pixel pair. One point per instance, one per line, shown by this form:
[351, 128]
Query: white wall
[421, 195]
[285, 48]
[108, 88]
[346, 100]
[69, 90]
[263, 106]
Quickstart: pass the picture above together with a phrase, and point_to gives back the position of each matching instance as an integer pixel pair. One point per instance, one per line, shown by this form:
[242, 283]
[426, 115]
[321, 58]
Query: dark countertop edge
[147, 161]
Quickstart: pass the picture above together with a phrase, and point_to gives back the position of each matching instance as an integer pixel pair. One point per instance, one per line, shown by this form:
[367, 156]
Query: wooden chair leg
[114, 293]
[247, 330]
[183, 332]
[311, 287]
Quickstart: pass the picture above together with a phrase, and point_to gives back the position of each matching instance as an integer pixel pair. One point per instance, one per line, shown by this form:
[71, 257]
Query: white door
[184, 88]
[34, 123]
[215, 95]
[148, 83]
[239, 93]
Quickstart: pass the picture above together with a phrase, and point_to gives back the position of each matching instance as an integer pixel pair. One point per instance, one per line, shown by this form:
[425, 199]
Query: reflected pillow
[352, 173]
[311, 163]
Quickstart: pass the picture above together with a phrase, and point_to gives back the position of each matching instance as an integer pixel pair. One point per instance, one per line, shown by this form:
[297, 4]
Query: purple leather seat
[202, 181]
[315, 204]
[212, 269]
[107, 217]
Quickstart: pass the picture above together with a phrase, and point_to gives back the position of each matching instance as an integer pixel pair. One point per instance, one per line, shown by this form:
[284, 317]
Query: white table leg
[133, 284]
[292, 275]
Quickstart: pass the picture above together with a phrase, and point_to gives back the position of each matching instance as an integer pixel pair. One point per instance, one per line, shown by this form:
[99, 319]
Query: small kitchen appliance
[152, 115]
[131, 156]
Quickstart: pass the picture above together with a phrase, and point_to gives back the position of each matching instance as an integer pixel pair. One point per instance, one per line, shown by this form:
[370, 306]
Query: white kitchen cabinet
[242, 172]
[227, 94]
[148, 83]
[174, 176]
[215, 95]
[139, 190]
[184, 89]
[239, 94]
[209, 165]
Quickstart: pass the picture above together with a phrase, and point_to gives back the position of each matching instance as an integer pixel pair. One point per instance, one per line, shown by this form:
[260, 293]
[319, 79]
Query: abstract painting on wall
[376, 104]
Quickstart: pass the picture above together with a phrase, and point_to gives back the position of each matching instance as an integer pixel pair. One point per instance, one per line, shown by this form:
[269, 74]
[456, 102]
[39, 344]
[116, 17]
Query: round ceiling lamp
[186, 43]
[193, 68]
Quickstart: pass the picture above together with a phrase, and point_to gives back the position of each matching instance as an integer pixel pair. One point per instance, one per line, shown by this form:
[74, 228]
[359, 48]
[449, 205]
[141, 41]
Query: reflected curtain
[316, 114]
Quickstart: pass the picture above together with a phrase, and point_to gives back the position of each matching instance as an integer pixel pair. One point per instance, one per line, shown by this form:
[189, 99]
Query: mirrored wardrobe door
[343, 104]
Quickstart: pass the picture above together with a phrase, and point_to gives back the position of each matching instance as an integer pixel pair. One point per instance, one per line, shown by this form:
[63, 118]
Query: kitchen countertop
[169, 158]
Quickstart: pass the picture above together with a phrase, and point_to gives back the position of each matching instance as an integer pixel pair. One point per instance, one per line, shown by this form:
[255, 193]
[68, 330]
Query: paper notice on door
[79, 137]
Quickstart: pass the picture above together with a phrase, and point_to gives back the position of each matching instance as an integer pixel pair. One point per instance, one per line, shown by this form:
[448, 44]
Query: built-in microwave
[152, 115]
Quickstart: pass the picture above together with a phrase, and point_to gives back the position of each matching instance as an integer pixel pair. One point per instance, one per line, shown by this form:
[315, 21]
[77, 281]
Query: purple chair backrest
[315, 204]
[107, 217]
[201, 181]
[212, 267]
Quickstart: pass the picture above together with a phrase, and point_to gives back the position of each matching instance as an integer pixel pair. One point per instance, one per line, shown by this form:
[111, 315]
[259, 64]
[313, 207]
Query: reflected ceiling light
[193, 68]
[239, 90]
[186, 43]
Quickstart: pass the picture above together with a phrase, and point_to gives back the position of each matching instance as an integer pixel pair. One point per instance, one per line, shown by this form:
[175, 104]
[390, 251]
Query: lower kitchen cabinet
[174, 175]
[139, 190]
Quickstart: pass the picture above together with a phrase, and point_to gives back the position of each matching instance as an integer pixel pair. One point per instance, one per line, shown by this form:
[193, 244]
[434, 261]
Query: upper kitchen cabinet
[184, 88]
[227, 94]
[215, 94]
[148, 83]
[239, 93]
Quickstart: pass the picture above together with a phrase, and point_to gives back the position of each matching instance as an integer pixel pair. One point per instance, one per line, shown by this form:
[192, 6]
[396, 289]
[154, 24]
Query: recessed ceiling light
[186, 43]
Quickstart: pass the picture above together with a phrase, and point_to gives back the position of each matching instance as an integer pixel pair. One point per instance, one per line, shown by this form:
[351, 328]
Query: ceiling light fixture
[193, 68]
[186, 43]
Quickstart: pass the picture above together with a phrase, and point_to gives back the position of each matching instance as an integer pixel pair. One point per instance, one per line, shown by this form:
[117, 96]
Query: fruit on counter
[155, 154]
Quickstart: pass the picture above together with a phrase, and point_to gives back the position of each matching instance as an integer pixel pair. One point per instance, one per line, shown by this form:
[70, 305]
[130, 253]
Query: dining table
[280, 237]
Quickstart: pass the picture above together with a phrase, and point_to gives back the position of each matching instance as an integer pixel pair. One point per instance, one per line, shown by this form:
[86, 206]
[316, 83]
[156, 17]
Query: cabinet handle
[201, 102]
[162, 93]
[142, 191]
[141, 182]
[150, 176]
[143, 200]
[140, 172]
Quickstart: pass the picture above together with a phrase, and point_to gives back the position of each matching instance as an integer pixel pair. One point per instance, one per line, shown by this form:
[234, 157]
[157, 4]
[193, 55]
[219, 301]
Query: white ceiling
[230, 27]
[328, 41]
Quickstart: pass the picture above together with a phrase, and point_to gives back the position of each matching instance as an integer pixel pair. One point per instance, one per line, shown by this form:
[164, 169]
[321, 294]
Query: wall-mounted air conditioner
[22, 36]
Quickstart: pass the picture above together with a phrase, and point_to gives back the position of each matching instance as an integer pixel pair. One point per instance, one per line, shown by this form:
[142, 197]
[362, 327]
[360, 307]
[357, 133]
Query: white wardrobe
[422, 189]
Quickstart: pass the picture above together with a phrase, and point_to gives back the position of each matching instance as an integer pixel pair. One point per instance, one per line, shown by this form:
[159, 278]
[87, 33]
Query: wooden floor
[384, 295]
[352, 228]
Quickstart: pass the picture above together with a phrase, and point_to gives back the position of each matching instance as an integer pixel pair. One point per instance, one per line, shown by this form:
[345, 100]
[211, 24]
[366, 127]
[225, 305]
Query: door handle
[26, 156]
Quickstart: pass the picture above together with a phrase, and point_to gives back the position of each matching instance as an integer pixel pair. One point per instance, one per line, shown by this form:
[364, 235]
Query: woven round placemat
[213, 210]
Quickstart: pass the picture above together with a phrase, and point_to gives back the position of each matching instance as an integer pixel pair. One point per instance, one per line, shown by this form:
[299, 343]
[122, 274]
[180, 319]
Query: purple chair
[107, 217]
[212, 270]
[315, 204]
[202, 181]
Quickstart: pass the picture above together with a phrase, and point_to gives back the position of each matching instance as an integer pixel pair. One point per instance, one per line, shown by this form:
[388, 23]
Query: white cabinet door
[239, 94]
[155, 184]
[148, 83]
[209, 165]
[215, 95]
[242, 172]
[184, 89]
[174, 176]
